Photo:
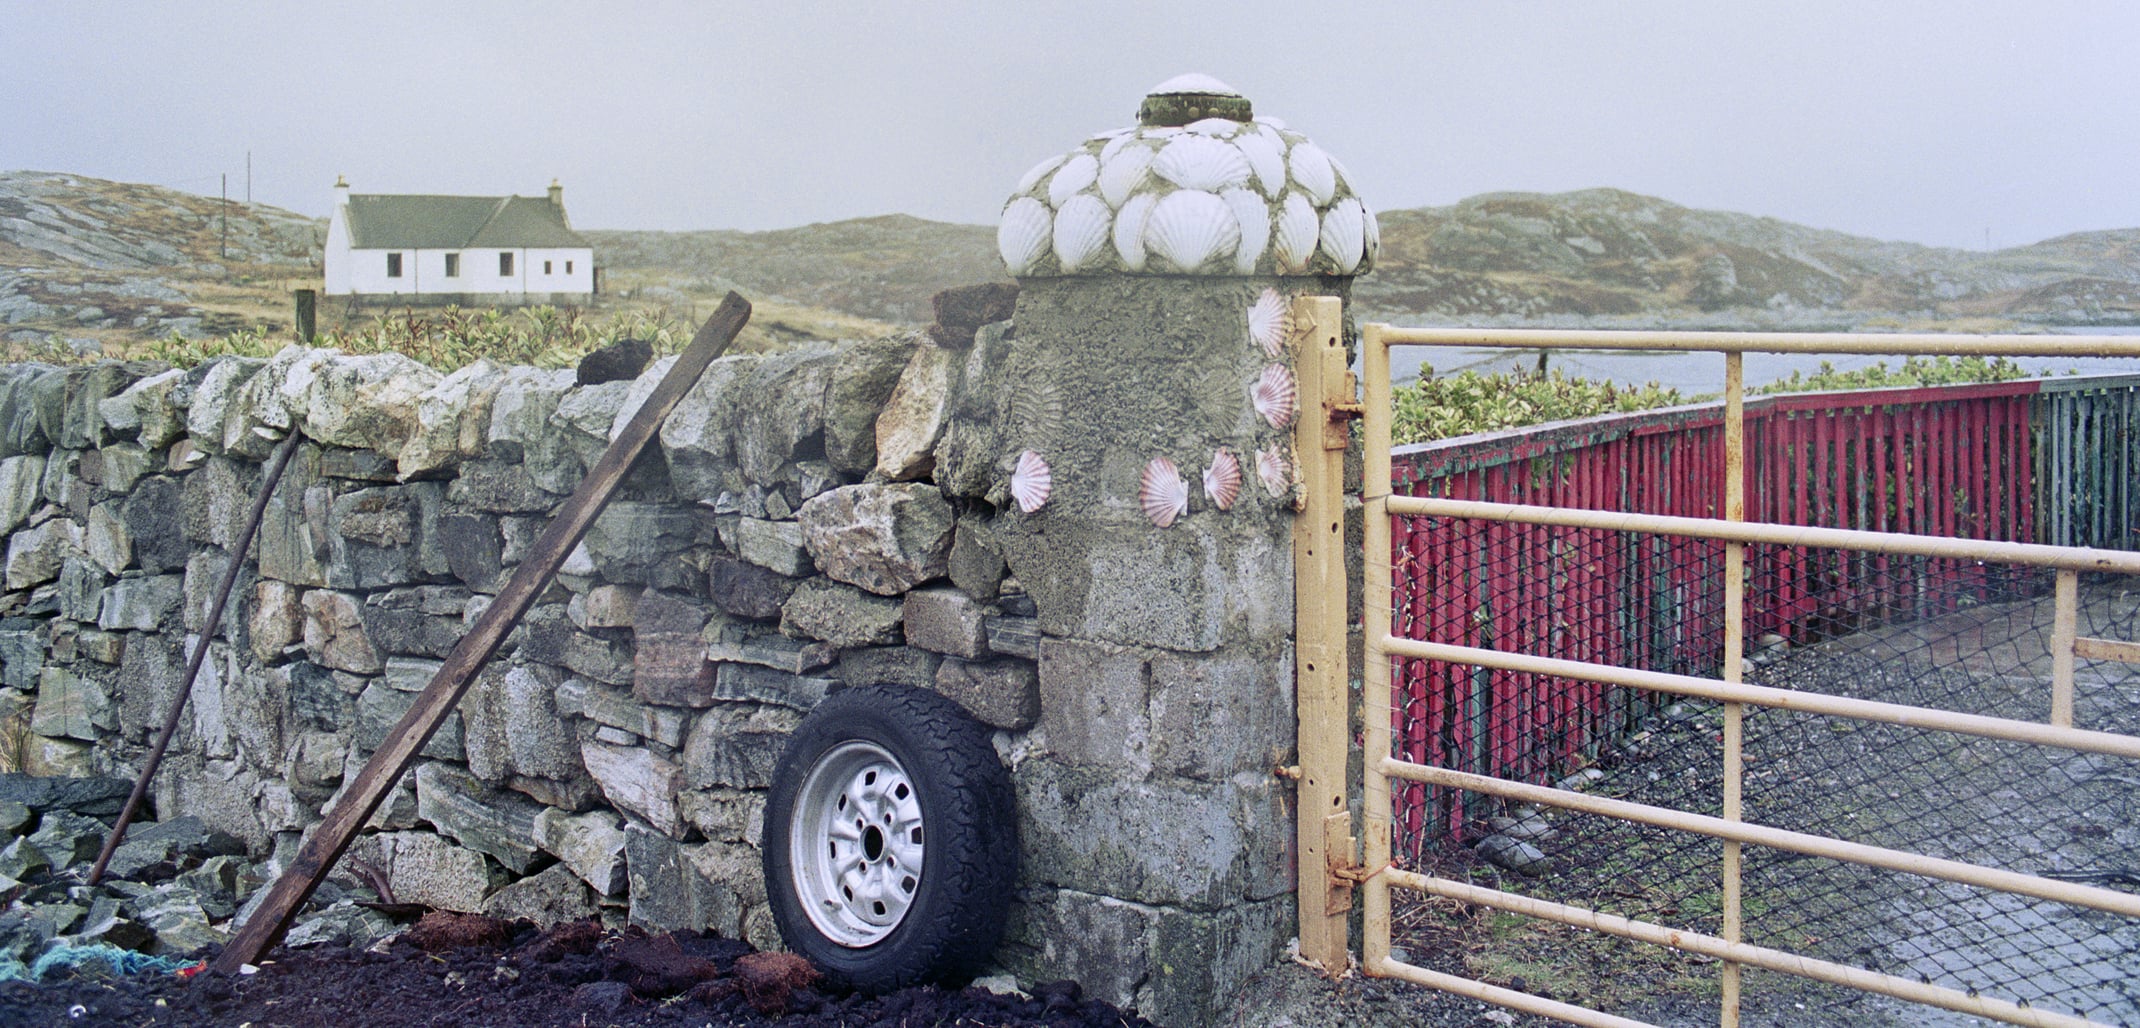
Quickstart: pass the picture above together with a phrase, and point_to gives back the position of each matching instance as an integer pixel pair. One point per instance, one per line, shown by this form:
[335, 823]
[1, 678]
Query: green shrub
[1467, 402]
[450, 338]
[1915, 371]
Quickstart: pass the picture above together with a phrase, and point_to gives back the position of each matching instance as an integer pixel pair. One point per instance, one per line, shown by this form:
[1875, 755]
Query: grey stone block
[334, 633]
[885, 537]
[463, 809]
[140, 603]
[512, 724]
[774, 545]
[549, 897]
[474, 549]
[862, 380]
[736, 748]
[1094, 705]
[755, 683]
[578, 697]
[380, 707]
[1002, 693]
[903, 665]
[154, 514]
[499, 488]
[841, 615]
[783, 654]
[1171, 841]
[22, 652]
[668, 655]
[70, 706]
[1014, 636]
[631, 539]
[372, 543]
[426, 868]
[591, 845]
[947, 621]
[637, 781]
[1213, 716]
[745, 590]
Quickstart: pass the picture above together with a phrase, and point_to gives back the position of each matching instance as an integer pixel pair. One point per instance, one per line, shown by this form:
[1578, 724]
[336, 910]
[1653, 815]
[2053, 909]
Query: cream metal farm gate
[1347, 859]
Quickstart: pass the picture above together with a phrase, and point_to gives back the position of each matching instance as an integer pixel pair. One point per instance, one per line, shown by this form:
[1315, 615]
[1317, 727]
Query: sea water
[1702, 374]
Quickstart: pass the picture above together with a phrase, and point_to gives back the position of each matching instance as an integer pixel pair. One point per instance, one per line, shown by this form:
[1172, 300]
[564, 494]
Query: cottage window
[546, 267]
[505, 263]
[393, 265]
[568, 267]
[453, 265]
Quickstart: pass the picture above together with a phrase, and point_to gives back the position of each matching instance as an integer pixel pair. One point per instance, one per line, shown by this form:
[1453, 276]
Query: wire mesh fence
[1943, 633]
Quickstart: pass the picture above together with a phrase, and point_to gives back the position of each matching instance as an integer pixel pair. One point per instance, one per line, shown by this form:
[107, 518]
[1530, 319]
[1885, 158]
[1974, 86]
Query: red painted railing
[1950, 461]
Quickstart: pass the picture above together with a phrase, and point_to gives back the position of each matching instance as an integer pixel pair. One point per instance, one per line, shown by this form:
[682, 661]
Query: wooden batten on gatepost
[1323, 820]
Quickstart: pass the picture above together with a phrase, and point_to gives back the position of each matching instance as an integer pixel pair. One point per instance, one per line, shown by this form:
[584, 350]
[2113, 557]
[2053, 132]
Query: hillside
[1613, 256]
[90, 263]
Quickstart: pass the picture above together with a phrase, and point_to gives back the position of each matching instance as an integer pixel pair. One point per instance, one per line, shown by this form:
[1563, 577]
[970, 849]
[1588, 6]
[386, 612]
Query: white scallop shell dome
[1198, 187]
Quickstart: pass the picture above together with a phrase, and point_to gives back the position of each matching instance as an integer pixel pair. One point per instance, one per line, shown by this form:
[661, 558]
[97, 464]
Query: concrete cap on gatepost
[1200, 186]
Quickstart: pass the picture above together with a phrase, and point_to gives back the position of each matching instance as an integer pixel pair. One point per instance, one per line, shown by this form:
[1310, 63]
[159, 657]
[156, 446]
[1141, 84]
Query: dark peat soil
[463, 970]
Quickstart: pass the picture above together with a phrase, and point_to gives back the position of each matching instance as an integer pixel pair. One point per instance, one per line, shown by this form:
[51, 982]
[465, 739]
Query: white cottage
[473, 250]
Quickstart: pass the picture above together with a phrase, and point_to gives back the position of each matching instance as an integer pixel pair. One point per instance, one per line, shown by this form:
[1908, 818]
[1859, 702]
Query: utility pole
[224, 247]
[248, 178]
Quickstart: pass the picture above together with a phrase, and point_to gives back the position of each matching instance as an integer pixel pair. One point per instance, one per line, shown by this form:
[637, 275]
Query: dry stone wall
[811, 520]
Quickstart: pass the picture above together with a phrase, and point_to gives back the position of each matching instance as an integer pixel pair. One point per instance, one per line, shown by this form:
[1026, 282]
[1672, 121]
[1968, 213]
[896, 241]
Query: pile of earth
[467, 969]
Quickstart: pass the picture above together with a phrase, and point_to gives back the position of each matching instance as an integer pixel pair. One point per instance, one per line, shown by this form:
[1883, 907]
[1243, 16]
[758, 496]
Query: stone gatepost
[1137, 439]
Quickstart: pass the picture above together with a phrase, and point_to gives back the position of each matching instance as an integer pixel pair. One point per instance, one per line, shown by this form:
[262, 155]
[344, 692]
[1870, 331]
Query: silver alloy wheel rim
[855, 844]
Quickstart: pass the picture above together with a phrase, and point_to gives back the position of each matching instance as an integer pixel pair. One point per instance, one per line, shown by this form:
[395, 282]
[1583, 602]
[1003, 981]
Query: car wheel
[891, 840]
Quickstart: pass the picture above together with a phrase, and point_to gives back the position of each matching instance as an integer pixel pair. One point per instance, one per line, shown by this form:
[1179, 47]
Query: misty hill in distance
[106, 262]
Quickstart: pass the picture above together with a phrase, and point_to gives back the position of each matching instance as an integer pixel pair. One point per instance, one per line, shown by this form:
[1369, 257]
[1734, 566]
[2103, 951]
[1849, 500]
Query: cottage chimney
[557, 196]
[341, 191]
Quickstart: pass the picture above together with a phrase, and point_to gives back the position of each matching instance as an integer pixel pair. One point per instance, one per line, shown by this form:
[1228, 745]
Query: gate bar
[2079, 739]
[2077, 558]
[2125, 903]
[1376, 685]
[1738, 952]
[1898, 343]
[1734, 652]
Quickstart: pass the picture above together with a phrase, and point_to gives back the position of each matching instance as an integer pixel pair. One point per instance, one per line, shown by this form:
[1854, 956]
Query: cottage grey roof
[379, 222]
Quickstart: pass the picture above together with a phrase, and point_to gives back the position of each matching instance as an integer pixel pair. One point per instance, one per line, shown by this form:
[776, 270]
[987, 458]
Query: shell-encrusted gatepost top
[1126, 445]
[1147, 391]
[1199, 186]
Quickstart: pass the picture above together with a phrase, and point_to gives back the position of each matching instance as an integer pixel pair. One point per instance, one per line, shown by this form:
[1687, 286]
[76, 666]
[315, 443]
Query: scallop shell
[1161, 132]
[1254, 217]
[1122, 173]
[1266, 157]
[1275, 396]
[1081, 232]
[1116, 145]
[1276, 123]
[1201, 162]
[1312, 172]
[1022, 235]
[1037, 411]
[1371, 233]
[1189, 227]
[1162, 493]
[1270, 321]
[1297, 229]
[1129, 230]
[1076, 173]
[1039, 171]
[1344, 234]
[1273, 472]
[1217, 128]
[1031, 482]
[1222, 480]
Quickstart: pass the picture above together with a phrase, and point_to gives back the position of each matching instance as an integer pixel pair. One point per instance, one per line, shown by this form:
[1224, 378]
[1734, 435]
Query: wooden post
[1322, 820]
[356, 802]
[307, 314]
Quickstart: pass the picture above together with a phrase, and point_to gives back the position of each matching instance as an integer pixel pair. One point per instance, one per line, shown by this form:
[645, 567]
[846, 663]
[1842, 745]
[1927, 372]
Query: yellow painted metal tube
[2077, 558]
[2072, 893]
[1872, 343]
[1739, 952]
[1510, 998]
[2080, 739]
[1375, 622]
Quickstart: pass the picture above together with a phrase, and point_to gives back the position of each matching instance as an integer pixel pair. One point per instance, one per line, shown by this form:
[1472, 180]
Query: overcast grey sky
[1937, 122]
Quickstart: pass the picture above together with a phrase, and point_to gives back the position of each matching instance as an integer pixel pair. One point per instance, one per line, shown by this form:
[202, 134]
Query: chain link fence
[1943, 633]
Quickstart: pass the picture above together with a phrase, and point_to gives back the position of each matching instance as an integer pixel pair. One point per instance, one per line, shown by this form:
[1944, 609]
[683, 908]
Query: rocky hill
[84, 260]
[1603, 255]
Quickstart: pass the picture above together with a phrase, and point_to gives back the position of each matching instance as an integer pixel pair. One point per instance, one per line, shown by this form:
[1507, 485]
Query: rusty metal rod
[276, 463]
[354, 805]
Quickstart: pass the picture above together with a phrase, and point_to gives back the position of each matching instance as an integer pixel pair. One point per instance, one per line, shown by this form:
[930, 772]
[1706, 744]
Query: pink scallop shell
[1222, 480]
[1270, 321]
[1031, 482]
[1272, 471]
[1162, 492]
[1274, 396]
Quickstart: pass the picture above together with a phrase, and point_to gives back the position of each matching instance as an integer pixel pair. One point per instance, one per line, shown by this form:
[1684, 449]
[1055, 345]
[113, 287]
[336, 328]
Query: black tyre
[891, 840]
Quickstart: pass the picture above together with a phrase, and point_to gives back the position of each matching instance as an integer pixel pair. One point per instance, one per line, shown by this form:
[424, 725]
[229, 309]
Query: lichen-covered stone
[637, 780]
[885, 537]
[913, 417]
